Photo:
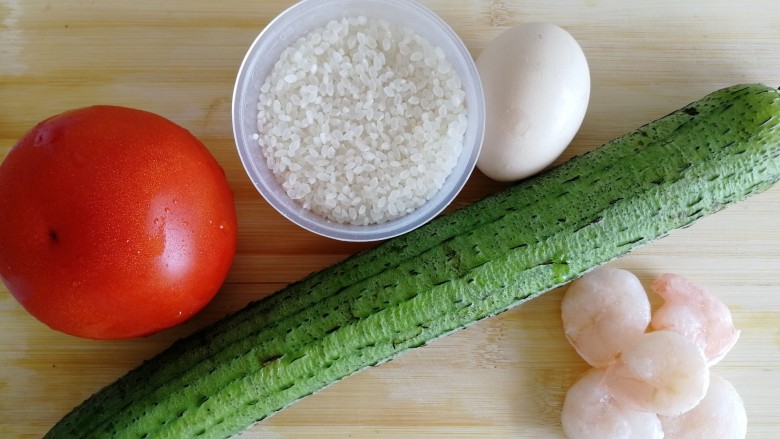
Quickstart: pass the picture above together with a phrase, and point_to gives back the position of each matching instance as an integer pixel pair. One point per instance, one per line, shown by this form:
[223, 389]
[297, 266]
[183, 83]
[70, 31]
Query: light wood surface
[502, 378]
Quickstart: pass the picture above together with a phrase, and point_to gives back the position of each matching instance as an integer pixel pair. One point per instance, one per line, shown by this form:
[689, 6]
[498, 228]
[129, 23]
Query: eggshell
[537, 85]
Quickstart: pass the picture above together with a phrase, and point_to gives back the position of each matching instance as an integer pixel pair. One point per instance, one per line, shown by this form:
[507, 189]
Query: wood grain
[504, 377]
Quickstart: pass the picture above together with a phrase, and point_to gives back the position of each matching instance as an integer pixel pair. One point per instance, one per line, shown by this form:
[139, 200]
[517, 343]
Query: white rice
[361, 121]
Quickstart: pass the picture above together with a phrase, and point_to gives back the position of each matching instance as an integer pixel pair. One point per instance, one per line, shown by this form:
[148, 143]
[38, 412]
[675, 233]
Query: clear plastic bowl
[299, 20]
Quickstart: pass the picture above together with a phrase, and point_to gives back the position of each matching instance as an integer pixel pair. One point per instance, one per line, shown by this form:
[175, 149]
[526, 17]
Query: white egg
[537, 86]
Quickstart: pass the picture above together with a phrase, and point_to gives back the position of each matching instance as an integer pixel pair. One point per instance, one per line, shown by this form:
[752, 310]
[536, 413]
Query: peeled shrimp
[662, 373]
[589, 411]
[720, 415]
[603, 312]
[696, 315]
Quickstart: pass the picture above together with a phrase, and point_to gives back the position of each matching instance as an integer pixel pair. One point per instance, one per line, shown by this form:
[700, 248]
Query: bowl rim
[311, 221]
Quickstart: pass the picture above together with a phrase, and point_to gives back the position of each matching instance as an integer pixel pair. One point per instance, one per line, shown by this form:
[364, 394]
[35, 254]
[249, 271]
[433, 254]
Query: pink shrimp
[590, 412]
[603, 312]
[662, 372]
[720, 415]
[696, 315]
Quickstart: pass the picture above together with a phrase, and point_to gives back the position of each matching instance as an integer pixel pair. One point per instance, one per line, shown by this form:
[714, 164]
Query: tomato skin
[114, 223]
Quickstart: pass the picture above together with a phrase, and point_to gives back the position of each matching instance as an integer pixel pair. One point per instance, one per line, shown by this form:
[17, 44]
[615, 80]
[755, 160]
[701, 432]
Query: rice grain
[361, 121]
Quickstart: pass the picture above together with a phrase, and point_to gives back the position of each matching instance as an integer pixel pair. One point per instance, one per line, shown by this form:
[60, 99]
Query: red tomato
[114, 223]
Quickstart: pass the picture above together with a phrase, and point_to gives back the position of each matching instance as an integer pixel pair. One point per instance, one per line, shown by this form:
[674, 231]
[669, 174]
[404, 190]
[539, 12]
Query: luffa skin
[458, 269]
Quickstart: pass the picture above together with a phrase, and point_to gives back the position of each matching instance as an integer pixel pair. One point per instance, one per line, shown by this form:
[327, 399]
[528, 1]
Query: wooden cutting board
[502, 378]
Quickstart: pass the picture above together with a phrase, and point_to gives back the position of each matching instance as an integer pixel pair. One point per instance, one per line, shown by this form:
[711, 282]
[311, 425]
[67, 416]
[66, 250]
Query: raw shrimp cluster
[650, 375]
